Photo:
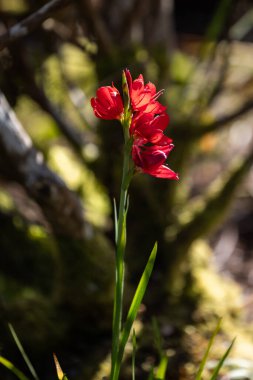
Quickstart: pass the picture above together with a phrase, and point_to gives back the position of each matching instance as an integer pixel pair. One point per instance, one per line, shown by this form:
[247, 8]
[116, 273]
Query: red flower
[146, 119]
[108, 103]
[151, 159]
[143, 97]
[150, 127]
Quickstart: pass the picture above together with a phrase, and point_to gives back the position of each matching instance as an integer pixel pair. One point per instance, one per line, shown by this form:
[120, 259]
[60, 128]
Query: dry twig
[197, 131]
[24, 27]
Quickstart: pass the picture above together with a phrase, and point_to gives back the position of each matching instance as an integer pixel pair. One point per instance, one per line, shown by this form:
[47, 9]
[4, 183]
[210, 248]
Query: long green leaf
[7, 364]
[151, 375]
[215, 27]
[115, 220]
[157, 337]
[133, 354]
[162, 368]
[121, 234]
[210, 343]
[220, 363]
[133, 310]
[22, 351]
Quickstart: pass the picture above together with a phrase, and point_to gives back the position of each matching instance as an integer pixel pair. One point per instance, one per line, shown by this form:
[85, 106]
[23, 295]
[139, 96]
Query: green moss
[28, 257]
[36, 232]
[39, 125]
[13, 6]
[52, 80]
[6, 202]
[181, 67]
[77, 65]
[220, 295]
[67, 76]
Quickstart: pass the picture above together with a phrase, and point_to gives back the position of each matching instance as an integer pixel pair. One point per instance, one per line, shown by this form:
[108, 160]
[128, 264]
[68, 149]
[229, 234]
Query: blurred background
[60, 168]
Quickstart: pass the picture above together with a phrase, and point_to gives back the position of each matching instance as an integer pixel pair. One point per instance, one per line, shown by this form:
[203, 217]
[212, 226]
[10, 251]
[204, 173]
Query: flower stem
[120, 265]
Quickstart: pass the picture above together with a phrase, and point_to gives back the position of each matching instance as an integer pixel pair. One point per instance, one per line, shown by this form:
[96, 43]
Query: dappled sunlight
[102, 105]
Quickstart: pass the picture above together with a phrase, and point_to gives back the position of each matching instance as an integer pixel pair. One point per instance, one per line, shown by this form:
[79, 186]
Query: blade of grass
[210, 343]
[151, 374]
[133, 354]
[215, 27]
[221, 362]
[157, 337]
[60, 374]
[7, 364]
[133, 310]
[138, 297]
[119, 281]
[207, 49]
[115, 219]
[23, 353]
[163, 364]
[162, 368]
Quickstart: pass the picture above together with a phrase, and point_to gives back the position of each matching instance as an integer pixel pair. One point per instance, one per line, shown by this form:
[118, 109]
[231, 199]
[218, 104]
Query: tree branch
[134, 14]
[24, 27]
[21, 162]
[195, 132]
[95, 22]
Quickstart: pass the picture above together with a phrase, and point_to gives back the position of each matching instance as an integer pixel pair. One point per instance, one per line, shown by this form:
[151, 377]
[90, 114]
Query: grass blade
[220, 363]
[157, 337]
[138, 297]
[60, 374]
[23, 353]
[162, 368]
[133, 354]
[210, 343]
[7, 364]
[115, 213]
[133, 310]
[215, 27]
[151, 374]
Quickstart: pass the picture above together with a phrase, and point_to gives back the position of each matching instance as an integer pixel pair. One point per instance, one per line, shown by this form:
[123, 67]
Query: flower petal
[162, 171]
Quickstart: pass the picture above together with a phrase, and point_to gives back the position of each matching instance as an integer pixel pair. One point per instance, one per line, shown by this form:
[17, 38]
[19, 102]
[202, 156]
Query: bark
[21, 162]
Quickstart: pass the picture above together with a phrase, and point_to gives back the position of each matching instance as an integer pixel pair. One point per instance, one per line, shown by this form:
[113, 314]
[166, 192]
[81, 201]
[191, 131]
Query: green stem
[120, 250]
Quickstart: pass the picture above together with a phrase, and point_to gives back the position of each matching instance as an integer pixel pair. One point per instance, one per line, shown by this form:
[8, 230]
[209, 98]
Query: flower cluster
[148, 120]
